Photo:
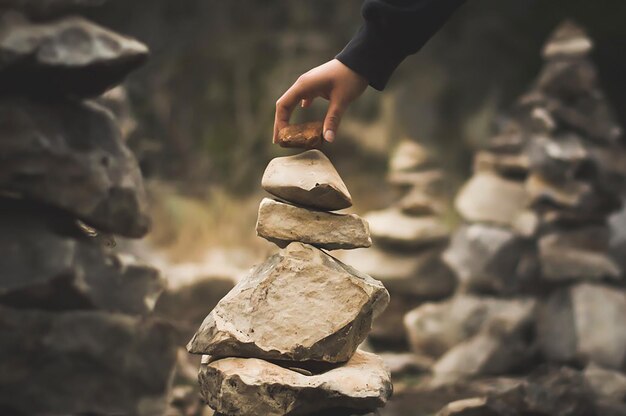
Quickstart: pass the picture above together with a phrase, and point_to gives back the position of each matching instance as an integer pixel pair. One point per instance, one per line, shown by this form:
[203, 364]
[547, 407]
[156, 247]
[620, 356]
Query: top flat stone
[302, 136]
[308, 179]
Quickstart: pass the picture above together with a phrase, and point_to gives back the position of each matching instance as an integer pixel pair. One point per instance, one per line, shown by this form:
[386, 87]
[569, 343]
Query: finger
[332, 120]
[288, 102]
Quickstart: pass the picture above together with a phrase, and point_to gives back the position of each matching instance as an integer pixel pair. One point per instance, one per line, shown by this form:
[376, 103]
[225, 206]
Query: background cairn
[75, 327]
[284, 340]
[537, 282]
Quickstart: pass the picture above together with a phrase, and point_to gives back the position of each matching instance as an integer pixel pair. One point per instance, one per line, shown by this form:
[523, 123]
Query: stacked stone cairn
[537, 283]
[285, 340]
[408, 239]
[76, 335]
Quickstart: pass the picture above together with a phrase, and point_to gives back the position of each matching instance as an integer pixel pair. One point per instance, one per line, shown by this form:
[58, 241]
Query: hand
[333, 81]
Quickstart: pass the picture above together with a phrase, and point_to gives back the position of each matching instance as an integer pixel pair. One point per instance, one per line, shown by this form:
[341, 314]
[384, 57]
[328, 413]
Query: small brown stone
[304, 136]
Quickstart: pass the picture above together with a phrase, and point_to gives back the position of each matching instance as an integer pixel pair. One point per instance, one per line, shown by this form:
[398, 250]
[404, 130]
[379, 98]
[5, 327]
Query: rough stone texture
[410, 156]
[71, 56]
[582, 323]
[392, 228]
[283, 223]
[489, 198]
[421, 275]
[46, 269]
[70, 155]
[606, 383]
[485, 258]
[434, 328]
[303, 136]
[308, 179]
[84, 363]
[579, 254]
[300, 305]
[242, 387]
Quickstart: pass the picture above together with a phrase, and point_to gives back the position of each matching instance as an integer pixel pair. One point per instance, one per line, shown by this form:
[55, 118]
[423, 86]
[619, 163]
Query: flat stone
[70, 155]
[283, 223]
[492, 199]
[390, 227]
[418, 203]
[435, 328]
[606, 383]
[485, 258]
[300, 305]
[421, 275]
[308, 179]
[84, 362]
[431, 181]
[46, 268]
[514, 165]
[250, 386]
[70, 56]
[302, 136]
[568, 40]
[579, 254]
[582, 324]
[410, 156]
[406, 363]
[560, 158]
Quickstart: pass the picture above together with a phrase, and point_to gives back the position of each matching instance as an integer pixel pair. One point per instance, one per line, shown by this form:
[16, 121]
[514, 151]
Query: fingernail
[329, 136]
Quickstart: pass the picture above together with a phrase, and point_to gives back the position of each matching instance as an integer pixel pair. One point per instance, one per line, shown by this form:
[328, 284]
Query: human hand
[333, 81]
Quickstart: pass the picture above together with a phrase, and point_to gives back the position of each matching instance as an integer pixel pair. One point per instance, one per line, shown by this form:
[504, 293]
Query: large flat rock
[307, 179]
[300, 305]
[70, 155]
[249, 386]
[283, 223]
[71, 56]
[393, 228]
[84, 363]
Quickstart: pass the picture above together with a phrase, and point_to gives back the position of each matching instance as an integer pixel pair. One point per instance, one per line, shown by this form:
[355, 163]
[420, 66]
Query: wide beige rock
[300, 305]
[250, 386]
[283, 223]
[308, 179]
[490, 198]
[393, 228]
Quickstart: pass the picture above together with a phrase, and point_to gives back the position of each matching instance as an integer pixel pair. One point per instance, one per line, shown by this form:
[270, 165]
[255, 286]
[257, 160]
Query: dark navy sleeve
[393, 30]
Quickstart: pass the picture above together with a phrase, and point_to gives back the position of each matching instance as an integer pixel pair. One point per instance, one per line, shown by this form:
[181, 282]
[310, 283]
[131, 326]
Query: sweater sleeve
[393, 29]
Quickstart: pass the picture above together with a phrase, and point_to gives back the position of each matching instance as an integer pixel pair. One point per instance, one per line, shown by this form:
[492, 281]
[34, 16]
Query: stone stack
[408, 238]
[537, 282]
[285, 340]
[76, 333]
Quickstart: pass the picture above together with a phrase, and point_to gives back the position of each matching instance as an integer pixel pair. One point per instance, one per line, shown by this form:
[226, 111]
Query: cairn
[285, 340]
[408, 239]
[537, 282]
[77, 336]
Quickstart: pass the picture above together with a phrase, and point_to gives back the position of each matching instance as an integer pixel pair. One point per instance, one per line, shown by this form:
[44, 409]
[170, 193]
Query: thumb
[333, 118]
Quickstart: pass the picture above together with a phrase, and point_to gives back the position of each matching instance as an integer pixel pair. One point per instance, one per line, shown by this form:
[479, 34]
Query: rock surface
[300, 305]
[304, 136]
[71, 56]
[392, 228]
[84, 363]
[283, 223]
[308, 179]
[249, 386]
[70, 155]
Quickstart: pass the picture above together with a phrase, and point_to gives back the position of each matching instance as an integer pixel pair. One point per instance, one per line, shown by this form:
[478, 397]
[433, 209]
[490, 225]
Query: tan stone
[419, 203]
[308, 179]
[300, 305]
[304, 136]
[283, 223]
[409, 156]
[392, 227]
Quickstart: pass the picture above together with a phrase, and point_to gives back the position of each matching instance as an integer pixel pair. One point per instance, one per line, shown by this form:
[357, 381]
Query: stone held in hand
[283, 223]
[250, 386]
[308, 179]
[300, 305]
[302, 136]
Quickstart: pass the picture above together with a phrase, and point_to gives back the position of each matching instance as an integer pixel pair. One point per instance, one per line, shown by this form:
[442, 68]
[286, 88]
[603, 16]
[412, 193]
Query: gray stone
[308, 179]
[582, 324]
[250, 386]
[84, 362]
[560, 158]
[283, 223]
[492, 199]
[71, 56]
[45, 269]
[70, 155]
[485, 258]
[300, 305]
[514, 165]
[606, 383]
[392, 228]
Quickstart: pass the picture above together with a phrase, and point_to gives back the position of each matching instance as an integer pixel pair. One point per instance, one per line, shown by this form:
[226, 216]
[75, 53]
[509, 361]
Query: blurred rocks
[283, 223]
[606, 383]
[391, 227]
[308, 179]
[303, 136]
